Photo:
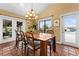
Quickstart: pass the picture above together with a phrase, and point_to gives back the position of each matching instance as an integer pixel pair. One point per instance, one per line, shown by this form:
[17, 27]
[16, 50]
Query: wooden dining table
[44, 37]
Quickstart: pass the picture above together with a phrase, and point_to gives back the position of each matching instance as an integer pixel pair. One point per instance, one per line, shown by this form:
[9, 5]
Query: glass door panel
[7, 29]
[70, 29]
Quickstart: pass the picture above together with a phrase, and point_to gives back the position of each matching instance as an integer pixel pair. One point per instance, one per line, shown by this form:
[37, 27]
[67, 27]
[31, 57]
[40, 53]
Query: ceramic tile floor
[9, 49]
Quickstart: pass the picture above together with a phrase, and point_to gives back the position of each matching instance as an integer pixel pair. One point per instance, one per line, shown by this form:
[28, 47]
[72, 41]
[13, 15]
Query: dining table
[43, 38]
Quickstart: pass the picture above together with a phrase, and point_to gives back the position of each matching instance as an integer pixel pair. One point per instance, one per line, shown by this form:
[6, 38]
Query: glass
[7, 29]
[41, 26]
[70, 28]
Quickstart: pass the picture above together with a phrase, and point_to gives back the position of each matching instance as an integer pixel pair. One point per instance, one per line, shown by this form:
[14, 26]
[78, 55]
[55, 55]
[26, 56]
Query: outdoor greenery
[44, 27]
[7, 29]
[33, 26]
[70, 29]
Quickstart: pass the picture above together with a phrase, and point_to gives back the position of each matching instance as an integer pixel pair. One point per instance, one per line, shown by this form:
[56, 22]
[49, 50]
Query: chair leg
[54, 44]
[27, 51]
[22, 48]
[50, 50]
[22, 45]
[34, 52]
[17, 44]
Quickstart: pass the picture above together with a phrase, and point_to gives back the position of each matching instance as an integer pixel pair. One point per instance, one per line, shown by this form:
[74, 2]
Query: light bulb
[36, 17]
[30, 14]
[29, 18]
[33, 12]
[26, 16]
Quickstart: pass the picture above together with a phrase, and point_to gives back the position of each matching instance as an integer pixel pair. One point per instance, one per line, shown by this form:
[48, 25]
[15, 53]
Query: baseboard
[76, 46]
[58, 42]
[5, 41]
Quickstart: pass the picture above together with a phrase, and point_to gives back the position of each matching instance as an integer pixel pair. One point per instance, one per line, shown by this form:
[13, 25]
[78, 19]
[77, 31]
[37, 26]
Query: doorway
[69, 29]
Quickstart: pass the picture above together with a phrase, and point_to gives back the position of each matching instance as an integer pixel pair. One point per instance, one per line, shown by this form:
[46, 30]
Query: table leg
[43, 48]
[54, 44]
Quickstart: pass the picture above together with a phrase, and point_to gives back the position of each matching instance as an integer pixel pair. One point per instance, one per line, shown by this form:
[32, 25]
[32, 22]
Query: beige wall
[7, 13]
[55, 10]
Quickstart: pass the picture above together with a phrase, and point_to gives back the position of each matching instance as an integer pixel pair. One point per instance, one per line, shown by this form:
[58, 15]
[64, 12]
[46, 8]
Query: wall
[56, 10]
[7, 13]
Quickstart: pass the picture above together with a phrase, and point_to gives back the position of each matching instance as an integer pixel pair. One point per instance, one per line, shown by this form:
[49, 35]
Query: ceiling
[23, 8]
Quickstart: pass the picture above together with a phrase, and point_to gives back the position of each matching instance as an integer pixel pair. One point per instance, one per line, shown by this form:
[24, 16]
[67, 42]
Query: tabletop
[43, 36]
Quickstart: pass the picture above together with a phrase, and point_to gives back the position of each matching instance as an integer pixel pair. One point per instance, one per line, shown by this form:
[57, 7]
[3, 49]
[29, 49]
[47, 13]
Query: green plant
[8, 30]
[45, 26]
[32, 26]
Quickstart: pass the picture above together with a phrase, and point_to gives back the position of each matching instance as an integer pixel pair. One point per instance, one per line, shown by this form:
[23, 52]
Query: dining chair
[18, 38]
[33, 44]
[50, 41]
[24, 41]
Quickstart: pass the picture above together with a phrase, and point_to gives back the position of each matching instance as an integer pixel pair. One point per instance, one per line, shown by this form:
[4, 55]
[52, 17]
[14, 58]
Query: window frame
[45, 20]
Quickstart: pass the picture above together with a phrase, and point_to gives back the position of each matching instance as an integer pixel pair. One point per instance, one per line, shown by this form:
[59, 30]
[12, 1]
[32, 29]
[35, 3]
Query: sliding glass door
[69, 29]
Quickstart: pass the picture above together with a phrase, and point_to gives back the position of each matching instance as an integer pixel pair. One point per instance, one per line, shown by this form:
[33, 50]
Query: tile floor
[9, 49]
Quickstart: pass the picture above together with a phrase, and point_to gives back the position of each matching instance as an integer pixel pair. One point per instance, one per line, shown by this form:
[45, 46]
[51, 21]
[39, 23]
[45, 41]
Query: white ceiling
[22, 8]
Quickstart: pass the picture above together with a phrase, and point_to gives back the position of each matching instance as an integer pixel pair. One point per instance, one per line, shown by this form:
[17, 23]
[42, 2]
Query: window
[7, 29]
[41, 26]
[45, 25]
[49, 23]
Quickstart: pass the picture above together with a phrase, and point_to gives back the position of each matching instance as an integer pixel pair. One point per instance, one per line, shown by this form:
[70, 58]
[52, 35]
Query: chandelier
[31, 15]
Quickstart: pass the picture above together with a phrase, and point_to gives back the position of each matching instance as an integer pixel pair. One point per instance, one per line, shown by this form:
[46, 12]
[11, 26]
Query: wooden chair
[50, 41]
[20, 37]
[32, 43]
[24, 41]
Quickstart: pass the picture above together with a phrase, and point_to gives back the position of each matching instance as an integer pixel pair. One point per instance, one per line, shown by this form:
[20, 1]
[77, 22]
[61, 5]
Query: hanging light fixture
[31, 15]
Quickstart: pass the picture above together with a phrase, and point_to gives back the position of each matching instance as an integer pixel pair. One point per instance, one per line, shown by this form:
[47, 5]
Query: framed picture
[56, 22]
